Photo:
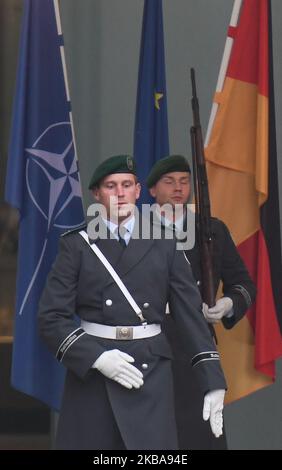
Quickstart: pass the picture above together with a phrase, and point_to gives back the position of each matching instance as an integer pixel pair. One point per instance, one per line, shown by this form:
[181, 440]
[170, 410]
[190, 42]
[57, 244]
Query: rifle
[202, 202]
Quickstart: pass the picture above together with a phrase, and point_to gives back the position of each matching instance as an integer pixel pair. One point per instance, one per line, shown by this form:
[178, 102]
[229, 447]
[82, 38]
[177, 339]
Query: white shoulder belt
[115, 276]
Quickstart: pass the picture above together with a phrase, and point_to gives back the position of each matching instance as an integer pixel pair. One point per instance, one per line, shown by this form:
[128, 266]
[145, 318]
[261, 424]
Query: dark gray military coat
[237, 284]
[97, 411]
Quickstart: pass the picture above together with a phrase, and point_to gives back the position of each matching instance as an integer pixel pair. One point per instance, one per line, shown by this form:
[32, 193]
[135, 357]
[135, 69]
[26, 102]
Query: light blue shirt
[128, 225]
[176, 224]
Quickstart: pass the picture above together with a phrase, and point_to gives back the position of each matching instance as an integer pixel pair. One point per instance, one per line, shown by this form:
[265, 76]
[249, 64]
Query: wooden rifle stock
[202, 202]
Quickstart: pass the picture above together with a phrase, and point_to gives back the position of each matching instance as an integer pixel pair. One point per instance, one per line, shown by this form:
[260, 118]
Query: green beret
[167, 165]
[116, 164]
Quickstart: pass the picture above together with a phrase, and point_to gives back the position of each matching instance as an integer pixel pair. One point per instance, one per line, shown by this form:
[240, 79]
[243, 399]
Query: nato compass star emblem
[59, 184]
[53, 184]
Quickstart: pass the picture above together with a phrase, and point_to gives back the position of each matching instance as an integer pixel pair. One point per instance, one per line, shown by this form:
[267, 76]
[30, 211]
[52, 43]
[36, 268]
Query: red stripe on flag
[262, 315]
[251, 37]
[232, 31]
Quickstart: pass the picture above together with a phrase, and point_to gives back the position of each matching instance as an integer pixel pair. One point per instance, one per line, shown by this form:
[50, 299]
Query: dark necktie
[121, 231]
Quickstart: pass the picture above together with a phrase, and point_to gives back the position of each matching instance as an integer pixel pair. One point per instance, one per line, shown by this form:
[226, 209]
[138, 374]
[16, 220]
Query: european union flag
[151, 140]
[43, 183]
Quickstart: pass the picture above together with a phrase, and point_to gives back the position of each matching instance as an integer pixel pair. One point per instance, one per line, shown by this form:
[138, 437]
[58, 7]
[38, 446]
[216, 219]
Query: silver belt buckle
[124, 332]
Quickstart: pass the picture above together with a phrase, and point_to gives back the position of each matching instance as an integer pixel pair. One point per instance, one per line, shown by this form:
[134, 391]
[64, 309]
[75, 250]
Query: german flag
[242, 174]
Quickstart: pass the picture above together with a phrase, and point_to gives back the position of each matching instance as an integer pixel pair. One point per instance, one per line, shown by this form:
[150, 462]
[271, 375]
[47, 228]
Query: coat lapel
[133, 254]
[110, 248]
[136, 249]
[123, 259]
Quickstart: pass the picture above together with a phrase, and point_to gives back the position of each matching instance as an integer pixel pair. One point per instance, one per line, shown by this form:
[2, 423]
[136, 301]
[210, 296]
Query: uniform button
[144, 366]
[109, 302]
[198, 283]
[146, 305]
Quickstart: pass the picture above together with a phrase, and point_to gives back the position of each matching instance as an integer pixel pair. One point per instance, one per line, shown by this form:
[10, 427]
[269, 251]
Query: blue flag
[43, 183]
[151, 140]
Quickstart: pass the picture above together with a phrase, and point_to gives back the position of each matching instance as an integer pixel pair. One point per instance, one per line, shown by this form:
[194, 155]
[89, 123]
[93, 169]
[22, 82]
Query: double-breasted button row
[109, 303]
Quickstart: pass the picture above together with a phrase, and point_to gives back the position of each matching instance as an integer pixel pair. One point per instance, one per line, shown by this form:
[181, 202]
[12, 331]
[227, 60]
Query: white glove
[222, 308]
[212, 410]
[114, 364]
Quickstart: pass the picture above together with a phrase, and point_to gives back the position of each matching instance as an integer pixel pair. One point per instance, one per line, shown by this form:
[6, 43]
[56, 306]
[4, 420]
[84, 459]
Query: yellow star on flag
[158, 96]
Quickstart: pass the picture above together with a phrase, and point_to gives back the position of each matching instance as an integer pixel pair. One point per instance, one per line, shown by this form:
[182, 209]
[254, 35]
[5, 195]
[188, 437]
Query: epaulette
[74, 230]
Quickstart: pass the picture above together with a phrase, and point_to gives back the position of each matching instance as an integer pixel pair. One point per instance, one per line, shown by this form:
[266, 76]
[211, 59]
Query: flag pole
[54, 415]
[64, 66]
[224, 64]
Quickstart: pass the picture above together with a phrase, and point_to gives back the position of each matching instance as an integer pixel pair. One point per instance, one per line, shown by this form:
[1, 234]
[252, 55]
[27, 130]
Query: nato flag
[151, 140]
[43, 183]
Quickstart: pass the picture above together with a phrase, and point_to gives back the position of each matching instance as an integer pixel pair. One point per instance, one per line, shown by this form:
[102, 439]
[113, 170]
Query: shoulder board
[216, 224]
[74, 230]
[215, 219]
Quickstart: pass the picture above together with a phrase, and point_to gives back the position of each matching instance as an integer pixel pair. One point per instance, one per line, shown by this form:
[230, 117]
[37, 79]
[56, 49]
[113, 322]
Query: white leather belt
[121, 332]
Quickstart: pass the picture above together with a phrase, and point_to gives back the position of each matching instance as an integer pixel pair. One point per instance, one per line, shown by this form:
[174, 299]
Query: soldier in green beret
[114, 183]
[169, 182]
[118, 164]
[119, 385]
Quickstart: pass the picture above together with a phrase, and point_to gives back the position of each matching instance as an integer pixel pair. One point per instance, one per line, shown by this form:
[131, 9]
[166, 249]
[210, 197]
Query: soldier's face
[172, 188]
[118, 193]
